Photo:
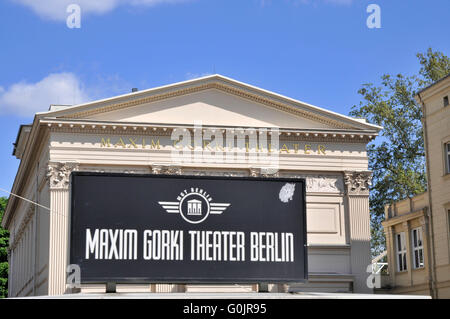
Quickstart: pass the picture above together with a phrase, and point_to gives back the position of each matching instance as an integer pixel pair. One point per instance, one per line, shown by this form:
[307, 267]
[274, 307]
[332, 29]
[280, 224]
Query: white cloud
[56, 9]
[26, 99]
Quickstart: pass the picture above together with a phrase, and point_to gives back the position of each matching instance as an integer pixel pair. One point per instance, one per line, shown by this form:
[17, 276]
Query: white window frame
[447, 157]
[417, 247]
[400, 242]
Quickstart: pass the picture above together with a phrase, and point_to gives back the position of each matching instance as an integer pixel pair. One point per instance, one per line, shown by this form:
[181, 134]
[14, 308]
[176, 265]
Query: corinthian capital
[58, 174]
[358, 183]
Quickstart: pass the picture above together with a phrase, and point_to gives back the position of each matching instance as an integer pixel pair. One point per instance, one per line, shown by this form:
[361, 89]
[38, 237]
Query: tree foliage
[4, 242]
[397, 157]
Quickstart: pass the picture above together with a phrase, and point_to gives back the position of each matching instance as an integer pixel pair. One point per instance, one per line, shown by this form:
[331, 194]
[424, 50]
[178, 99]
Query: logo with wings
[194, 206]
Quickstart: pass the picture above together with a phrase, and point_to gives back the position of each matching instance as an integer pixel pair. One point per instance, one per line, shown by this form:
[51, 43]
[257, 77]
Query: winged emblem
[194, 206]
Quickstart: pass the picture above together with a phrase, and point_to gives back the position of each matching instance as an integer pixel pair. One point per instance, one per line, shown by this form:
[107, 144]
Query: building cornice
[433, 89]
[159, 129]
[404, 218]
[33, 145]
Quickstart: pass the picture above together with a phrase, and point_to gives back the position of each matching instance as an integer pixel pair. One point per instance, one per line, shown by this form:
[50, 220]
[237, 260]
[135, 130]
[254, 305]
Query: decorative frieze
[263, 172]
[58, 174]
[321, 183]
[254, 172]
[358, 183]
[166, 169]
[215, 173]
[324, 183]
[156, 169]
[142, 135]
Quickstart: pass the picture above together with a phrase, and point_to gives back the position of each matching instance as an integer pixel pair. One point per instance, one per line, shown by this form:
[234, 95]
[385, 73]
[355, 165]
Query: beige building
[133, 134]
[418, 229]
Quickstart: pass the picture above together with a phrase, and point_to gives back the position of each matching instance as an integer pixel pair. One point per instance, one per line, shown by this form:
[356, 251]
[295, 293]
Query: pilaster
[390, 246]
[357, 196]
[426, 251]
[58, 175]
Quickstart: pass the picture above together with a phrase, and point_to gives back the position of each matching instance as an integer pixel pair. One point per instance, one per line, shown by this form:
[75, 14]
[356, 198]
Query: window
[445, 100]
[448, 221]
[417, 245]
[447, 156]
[401, 252]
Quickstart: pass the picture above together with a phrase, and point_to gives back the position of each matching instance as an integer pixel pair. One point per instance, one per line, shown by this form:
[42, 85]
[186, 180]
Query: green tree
[397, 156]
[4, 239]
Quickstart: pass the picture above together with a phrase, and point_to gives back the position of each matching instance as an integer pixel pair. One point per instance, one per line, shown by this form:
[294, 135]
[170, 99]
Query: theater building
[142, 133]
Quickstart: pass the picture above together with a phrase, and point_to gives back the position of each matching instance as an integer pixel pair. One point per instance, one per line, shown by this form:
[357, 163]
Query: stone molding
[264, 172]
[160, 130]
[158, 169]
[321, 183]
[195, 172]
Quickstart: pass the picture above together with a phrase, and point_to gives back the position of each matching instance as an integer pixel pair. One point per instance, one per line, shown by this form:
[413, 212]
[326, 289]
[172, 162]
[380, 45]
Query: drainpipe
[429, 214]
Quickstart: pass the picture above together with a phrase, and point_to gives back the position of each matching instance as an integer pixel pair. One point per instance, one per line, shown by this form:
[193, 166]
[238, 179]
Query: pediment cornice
[222, 84]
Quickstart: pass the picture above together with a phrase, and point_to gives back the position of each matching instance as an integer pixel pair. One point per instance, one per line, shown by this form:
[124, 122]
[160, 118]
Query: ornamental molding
[135, 129]
[324, 184]
[158, 169]
[58, 174]
[358, 183]
[216, 173]
[113, 170]
[318, 183]
[264, 172]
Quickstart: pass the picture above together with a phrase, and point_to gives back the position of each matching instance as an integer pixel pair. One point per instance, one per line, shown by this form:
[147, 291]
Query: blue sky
[317, 51]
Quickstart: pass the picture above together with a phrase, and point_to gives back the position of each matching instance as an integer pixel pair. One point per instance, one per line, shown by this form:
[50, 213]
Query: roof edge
[432, 84]
[212, 78]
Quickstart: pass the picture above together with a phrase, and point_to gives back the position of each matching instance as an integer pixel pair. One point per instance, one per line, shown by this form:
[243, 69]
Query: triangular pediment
[211, 107]
[213, 100]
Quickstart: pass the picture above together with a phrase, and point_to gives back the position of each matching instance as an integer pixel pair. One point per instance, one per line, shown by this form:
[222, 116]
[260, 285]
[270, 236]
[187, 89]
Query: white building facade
[134, 134]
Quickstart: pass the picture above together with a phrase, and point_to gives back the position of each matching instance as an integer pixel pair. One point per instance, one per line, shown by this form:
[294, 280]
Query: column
[392, 261]
[58, 175]
[357, 197]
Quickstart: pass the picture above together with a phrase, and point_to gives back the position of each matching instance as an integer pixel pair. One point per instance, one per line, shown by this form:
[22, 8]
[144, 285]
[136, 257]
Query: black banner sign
[187, 229]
